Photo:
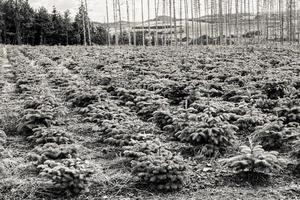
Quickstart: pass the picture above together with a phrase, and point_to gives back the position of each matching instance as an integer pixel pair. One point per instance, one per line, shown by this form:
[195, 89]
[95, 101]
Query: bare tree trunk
[120, 22]
[175, 23]
[129, 26]
[107, 21]
[186, 22]
[17, 24]
[164, 37]
[196, 19]
[171, 22]
[226, 21]
[230, 21]
[267, 18]
[281, 21]
[115, 23]
[193, 22]
[237, 20]
[83, 24]
[181, 29]
[134, 31]
[249, 16]
[206, 19]
[200, 22]
[258, 18]
[212, 2]
[88, 24]
[221, 33]
[143, 30]
[298, 21]
[156, 16]
[149, 30]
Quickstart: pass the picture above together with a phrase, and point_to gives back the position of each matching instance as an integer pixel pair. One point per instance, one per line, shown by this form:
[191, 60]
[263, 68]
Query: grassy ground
[112, 178]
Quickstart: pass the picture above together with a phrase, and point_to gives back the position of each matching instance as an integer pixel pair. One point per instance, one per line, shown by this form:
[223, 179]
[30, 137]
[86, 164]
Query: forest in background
[21, 24]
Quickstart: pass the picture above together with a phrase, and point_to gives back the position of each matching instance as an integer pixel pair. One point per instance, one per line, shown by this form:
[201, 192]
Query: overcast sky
[96, 8]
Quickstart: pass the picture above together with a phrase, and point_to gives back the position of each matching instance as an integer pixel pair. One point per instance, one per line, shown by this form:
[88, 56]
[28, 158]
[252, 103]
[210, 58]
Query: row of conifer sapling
[55, 155]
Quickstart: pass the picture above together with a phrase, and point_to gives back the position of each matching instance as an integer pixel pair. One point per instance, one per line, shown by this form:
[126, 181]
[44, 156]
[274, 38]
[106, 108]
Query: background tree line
[21, 24]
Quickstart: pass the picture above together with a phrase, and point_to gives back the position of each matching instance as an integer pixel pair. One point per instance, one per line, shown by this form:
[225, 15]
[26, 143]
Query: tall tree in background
[221, 33]
[2, 22]
[82, 14]
[120, 20]
[128, 22]
[134, 27]
[26, 14]
[180, 15]
[200, 21]
[115, 22]
[156, 6]
[108, 28]
[42, 26]
[17, 22]
[143, 32]
[193, 22]
[171, 22]
[67, 26]
[88, 23]
[164, 37]
[175, 22]
[149, 30]
[186, 15]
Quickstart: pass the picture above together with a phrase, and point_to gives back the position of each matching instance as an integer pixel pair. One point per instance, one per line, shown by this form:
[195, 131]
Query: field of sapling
[214, 122]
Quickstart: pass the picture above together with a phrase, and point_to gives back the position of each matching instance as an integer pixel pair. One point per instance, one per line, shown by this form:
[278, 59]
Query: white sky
[97, 8]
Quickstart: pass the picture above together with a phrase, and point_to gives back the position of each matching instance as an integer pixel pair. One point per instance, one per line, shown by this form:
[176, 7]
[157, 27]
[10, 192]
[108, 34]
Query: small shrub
[154, 165]
[162, 119]
[274, 90]
[163, 172]
[254, 159]
[52, 151]
[33, 119]
[80, 98]
[8, 122]
[68, 175]
[248, 123]
[175, 93]
[274, 136]
[212, 131]
[50, 135]
[124, 134]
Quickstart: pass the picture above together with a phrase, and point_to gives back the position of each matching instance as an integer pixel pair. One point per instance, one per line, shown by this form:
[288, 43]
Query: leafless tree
[120, 20]
[83, 24]
[134, 27]
[149, 30]
[186, 21]
[156, 6]
[171, 22]
[193, 22]
[180, 15]
[128, 22]
[88, 23]
[221, 18]
[175, 22]
[143, 31]
[107, 21]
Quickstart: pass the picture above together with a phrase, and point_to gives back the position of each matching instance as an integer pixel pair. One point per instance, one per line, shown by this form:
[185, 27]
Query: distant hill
[162, 18]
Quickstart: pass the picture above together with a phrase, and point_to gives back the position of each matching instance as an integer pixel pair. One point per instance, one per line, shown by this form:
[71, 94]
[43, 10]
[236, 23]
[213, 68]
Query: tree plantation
[161, 100]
